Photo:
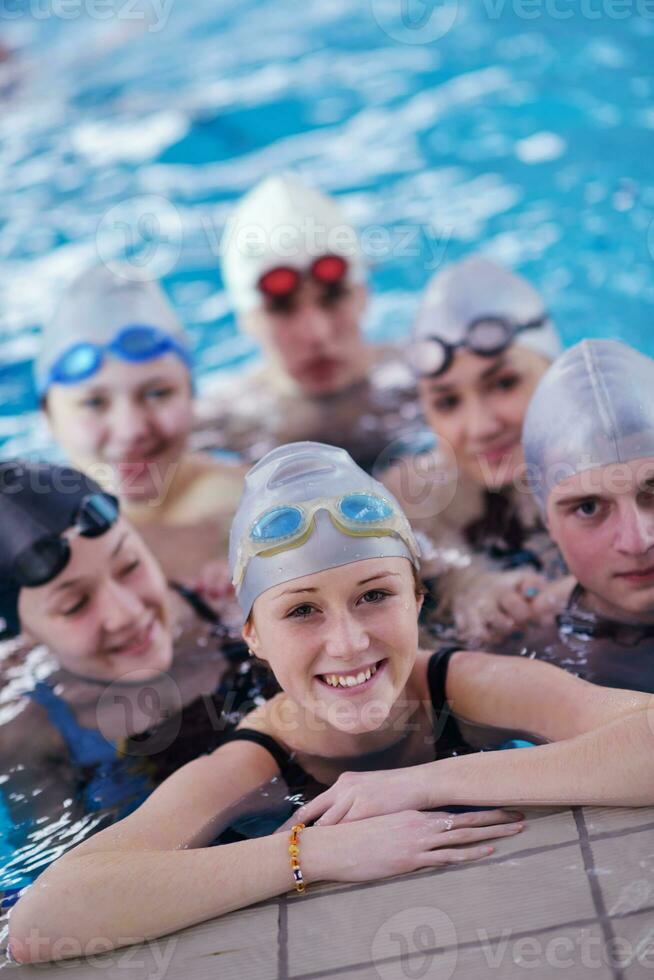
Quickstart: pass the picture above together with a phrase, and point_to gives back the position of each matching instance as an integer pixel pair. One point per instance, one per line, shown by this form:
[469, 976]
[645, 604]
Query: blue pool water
[529, 136]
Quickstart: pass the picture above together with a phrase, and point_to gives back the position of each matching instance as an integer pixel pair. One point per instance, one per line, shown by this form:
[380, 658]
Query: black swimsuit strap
[445, 724]
[283, 759]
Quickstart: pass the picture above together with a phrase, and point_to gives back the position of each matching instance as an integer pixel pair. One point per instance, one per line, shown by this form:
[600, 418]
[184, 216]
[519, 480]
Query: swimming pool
[521, 130]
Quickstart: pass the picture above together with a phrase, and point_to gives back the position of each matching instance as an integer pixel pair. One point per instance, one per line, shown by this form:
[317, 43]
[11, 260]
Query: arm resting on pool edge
[153, 867]
[601, 747]
[602, 739]
[143, 879]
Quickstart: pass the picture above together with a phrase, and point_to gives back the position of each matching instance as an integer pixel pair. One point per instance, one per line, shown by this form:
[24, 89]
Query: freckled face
[315, 338]
[127, 426]
[341, 640]
[106, 613]
[478, 407]
[603, 522]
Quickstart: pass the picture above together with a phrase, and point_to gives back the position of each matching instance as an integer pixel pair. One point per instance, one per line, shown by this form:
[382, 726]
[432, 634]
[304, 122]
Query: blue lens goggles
[281, 523]
[134, 343]
[360, 513]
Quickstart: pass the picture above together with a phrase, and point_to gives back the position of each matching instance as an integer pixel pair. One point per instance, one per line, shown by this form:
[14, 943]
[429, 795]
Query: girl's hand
[357, 795]
[214, 581]
[399, 843]
[499, 603]
[552, 600]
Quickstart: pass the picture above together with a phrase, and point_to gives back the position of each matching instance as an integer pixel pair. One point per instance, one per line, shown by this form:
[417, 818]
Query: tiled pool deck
[571, 896]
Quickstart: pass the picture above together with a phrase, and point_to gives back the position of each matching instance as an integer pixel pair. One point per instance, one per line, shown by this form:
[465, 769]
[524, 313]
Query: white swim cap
[593, 407]
[476, 288]
[283, 222]
[96, 306]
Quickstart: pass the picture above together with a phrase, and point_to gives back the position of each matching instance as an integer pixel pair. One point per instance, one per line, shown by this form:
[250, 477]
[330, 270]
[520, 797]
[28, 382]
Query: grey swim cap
[297, 473]
[477, 287]
[593, 407]
[96, 306]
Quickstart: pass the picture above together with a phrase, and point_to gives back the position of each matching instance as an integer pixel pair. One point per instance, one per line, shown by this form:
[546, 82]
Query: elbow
[41, 927]
[28, 940]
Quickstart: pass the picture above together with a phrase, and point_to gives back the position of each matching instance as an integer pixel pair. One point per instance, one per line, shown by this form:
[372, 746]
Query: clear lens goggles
[134, 343]
[486, 336]
[289, 525]
[48, 556]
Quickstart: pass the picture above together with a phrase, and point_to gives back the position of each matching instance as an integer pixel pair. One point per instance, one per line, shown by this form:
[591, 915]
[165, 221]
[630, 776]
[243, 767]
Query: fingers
[479, 818]
[470, 835]
[339, 813]
[433, 859]
[520, 610]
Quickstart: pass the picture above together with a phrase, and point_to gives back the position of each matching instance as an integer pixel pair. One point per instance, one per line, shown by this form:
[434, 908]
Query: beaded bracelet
[294, 851]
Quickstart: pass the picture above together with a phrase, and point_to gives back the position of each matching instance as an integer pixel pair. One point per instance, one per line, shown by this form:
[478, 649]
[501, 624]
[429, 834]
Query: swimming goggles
[134, 343]
[46, 558]
[486, 336]
[358, 514]
[282, 282]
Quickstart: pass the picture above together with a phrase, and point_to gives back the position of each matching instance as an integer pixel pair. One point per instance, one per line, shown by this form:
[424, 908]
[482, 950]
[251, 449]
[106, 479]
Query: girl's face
[603, 522]
[106, 613]
[478, 406]
[126, 426]
[341, 643]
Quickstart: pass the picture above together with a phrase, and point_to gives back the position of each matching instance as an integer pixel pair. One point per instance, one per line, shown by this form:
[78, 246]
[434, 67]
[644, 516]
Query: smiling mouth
[495, 452]
[353, 678]
[637, 573]
[137, 645]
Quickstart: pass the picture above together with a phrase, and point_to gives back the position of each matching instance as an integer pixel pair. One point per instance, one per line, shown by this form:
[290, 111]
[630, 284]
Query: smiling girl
[112, 674]
[324, 564]
[480, 344]
[114, 377]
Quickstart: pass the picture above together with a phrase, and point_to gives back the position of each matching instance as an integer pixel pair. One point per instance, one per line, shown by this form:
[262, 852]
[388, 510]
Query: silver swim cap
[283, 222]
[474, 290]
[307, 507]
[593, 407]
[95, 307]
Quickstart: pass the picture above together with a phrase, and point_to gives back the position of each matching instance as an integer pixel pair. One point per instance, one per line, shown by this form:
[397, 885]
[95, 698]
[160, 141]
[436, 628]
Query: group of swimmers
[530, 527]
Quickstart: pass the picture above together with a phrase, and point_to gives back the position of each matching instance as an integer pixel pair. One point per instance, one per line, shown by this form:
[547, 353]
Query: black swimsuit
[444, 723]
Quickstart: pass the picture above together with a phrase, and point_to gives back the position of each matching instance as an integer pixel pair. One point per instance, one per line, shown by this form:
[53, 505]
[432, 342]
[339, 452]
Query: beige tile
[240, 946]
[600, 819]
[625, 871]
[448, 907]
[563, 952]
[634, 949]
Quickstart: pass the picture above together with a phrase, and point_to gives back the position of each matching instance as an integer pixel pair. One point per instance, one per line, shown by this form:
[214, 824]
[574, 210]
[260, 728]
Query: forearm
[609, 766]
[124, 898]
